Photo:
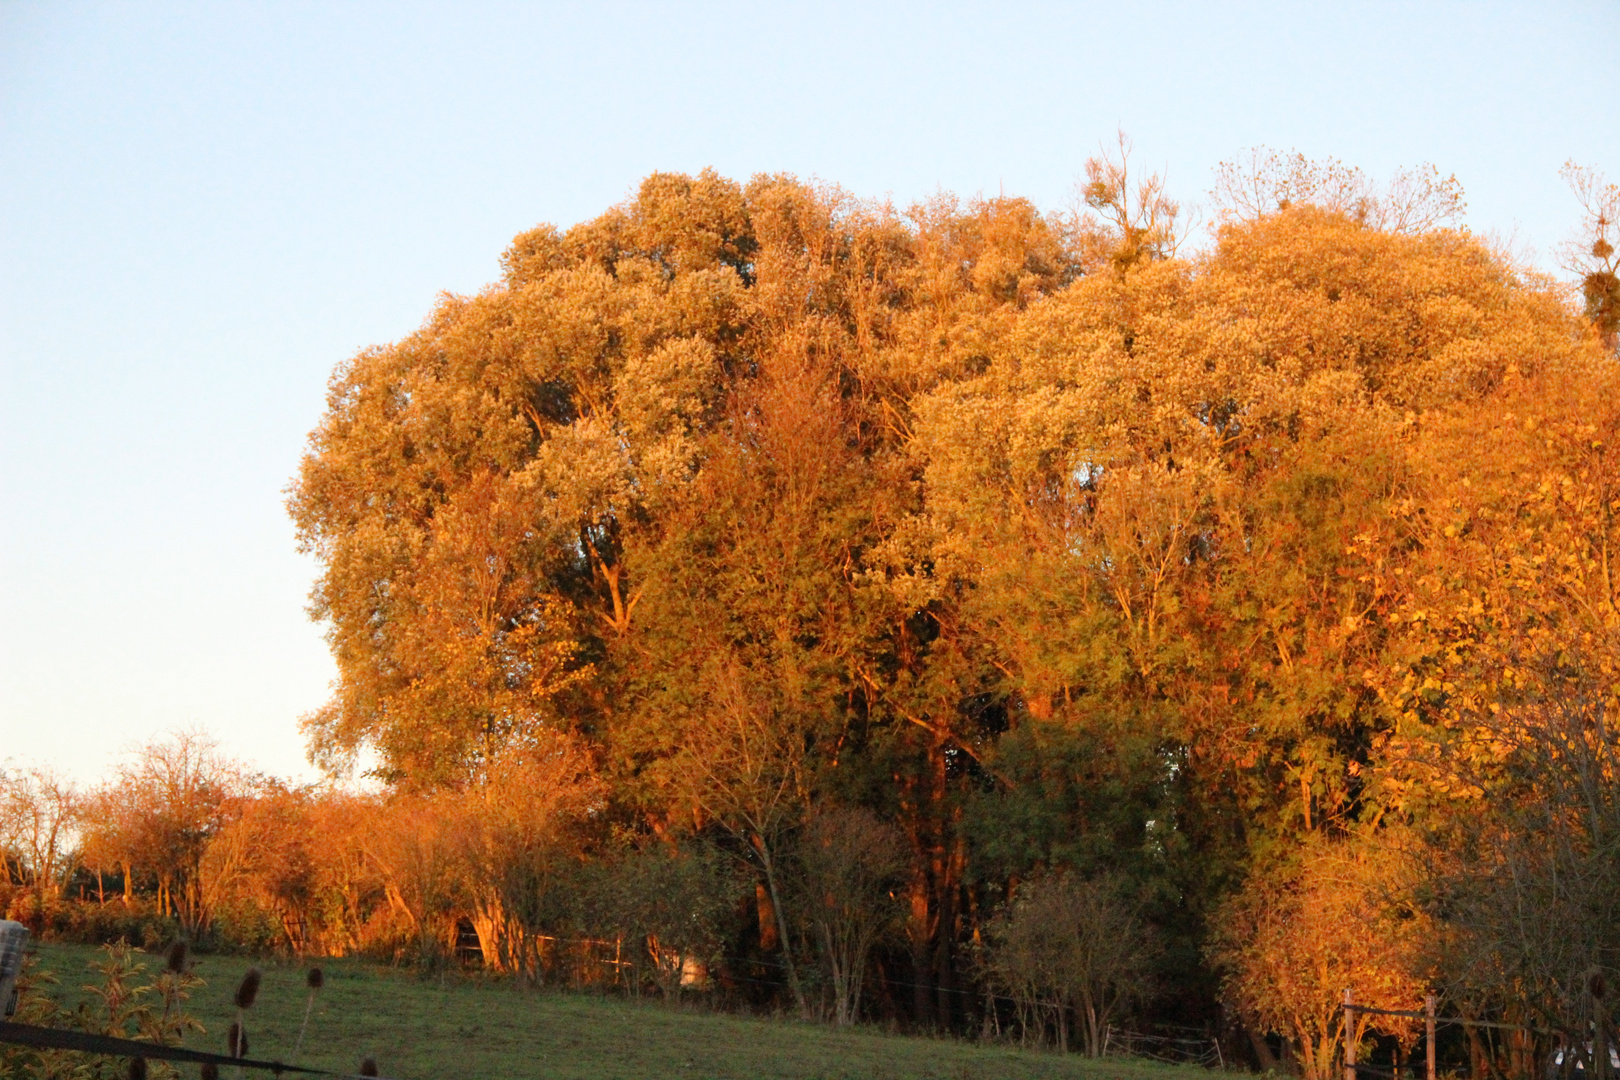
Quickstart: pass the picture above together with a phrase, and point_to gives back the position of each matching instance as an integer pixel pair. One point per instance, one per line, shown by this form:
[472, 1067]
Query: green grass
[465, 1028]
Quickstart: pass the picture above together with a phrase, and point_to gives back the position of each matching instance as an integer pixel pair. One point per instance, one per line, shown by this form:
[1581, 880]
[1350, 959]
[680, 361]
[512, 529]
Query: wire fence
[1432, 1021]
[1187, 1049]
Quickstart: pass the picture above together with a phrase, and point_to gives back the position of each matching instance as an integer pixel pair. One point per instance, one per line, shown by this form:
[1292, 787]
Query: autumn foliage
[981, 558]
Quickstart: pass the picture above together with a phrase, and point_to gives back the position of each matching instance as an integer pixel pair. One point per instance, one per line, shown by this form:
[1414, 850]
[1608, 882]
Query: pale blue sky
[205, 207]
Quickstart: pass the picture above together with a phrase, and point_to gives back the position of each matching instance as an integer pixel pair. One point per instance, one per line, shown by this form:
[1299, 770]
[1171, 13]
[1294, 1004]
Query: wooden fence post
[1349, 1035]
[1428, 1034]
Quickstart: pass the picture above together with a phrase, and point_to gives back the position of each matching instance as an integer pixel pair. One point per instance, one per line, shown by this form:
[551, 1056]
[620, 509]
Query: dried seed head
[368, 1067]
[236, 1040]
[137, 1068]
[210, 1071]
[249, 990]
[1595, 985]
[316, 978]
[175, 961]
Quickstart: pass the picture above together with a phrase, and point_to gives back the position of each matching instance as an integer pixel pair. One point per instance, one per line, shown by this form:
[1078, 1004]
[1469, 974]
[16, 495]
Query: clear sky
[205, 207]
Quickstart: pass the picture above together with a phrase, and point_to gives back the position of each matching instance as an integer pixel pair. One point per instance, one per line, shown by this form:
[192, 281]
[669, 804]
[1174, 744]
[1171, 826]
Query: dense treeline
[989, 620]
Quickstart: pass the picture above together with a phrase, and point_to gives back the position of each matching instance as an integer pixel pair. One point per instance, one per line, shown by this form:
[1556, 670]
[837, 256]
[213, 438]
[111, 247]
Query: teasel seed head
[249, 989]
[368, 1067]
[316, 978]
[210, 1071]
[1596, 985]
[137, 1068]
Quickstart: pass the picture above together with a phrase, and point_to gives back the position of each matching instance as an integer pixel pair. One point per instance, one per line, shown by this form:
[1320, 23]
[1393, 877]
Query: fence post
[1349, 1035]
[1428, 1034]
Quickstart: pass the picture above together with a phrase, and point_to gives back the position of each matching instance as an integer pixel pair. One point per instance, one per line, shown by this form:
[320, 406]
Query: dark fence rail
[57, 1039]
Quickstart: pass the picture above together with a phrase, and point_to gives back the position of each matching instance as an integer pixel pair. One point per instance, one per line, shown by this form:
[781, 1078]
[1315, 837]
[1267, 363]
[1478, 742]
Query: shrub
[244, 928]
[1067, 945]
[86, 923]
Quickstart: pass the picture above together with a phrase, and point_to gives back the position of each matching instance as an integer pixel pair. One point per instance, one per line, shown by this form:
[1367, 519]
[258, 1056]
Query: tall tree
[975, 517]
[1592, 257]
[38, 811]
[157, 816]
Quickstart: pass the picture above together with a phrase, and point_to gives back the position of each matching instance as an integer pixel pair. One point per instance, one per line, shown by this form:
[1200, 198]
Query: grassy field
[425, 1030]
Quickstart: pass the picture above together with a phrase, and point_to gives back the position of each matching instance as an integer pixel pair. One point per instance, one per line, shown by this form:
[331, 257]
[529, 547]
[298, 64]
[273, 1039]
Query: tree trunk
[1601, 1067]
[781, 926]
[1480, 1063]
[840, 976]
[493, 945]
[1093, 1028]
[944, 991]
[1262, 1051]
[765, 913]
[1307, 1057]
[922, 997]
[947, 861]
